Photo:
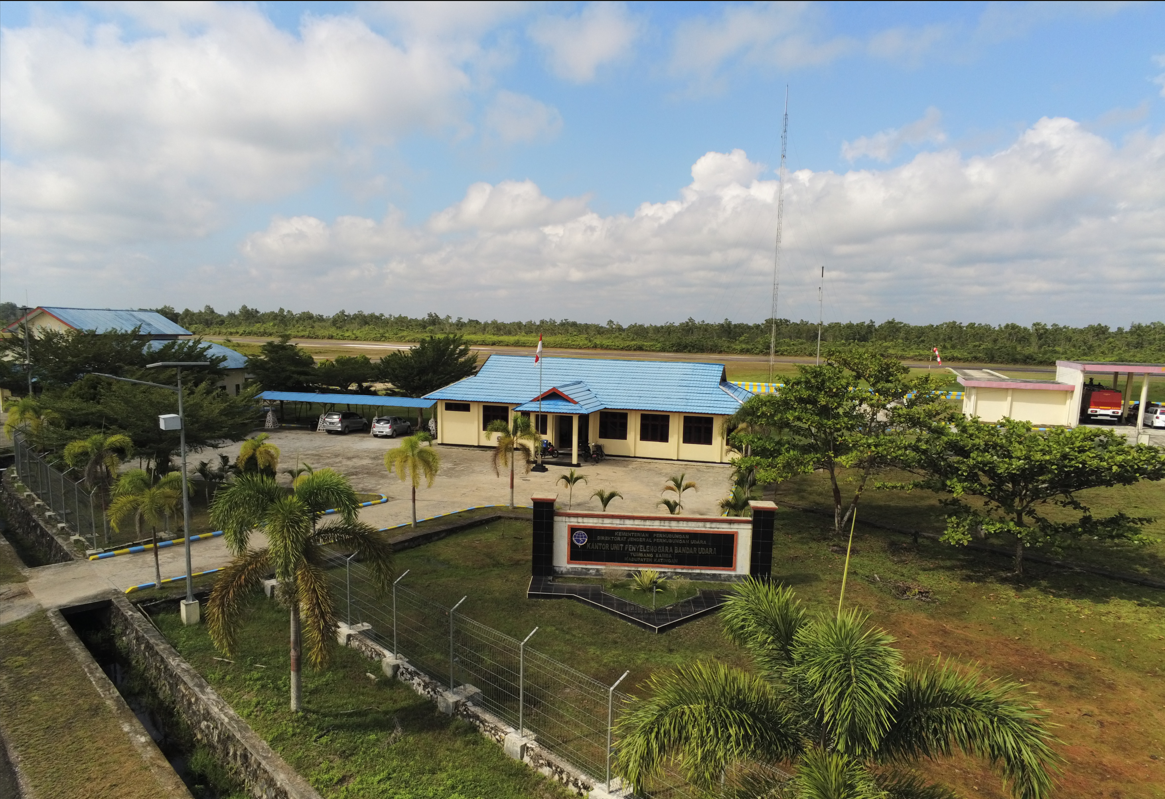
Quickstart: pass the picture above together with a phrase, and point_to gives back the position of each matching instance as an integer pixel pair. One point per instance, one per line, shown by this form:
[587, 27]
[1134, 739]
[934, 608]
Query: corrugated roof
[234, 360]
[347, 399]
[676, 387]
[151, 323]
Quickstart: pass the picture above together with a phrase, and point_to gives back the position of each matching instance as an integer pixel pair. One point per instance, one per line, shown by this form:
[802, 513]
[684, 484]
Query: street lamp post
[190, 609]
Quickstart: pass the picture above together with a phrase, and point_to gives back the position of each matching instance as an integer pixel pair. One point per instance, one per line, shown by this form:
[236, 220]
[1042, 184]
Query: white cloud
[1059, 225]
[506, 206]
[576, 46]
[1159, 60]
[907, 44]
[885, 145]
[517, 118]
[786, 35]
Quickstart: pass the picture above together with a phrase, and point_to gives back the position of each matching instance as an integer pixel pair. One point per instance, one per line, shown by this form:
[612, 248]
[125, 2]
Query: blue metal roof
[598, 384]
[108, 321]
[234, 360]
[347, 399]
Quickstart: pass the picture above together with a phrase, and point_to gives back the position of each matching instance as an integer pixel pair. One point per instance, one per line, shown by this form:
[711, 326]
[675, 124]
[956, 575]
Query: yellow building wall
[43, 321]
[991, 405]
[1041, 407]
[454, 427]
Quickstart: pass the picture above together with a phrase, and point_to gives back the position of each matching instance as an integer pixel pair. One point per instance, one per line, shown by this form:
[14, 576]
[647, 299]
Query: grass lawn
[69, 741]
[1091, 649]
[362, 734]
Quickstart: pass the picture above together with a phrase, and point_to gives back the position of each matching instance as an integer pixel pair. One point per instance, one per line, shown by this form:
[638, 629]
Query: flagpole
[538, 467]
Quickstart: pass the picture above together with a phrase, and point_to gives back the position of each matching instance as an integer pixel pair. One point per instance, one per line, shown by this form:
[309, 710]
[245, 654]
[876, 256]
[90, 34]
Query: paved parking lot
[467, 478]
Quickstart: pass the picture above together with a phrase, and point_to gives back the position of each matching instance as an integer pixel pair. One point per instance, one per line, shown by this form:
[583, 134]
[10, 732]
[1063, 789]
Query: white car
[1155, 417]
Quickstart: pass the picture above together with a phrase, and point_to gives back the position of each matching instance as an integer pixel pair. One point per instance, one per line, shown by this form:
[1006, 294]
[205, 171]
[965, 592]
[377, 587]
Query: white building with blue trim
[639, 409]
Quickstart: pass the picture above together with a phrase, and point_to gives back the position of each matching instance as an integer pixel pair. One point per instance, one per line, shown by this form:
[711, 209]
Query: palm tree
[29, 417]
[414, 460]
[258, 455]
[100, 456]
[298, 470]
[138, 497]
[297, 553]
[605, 497]
[831, 698]
[518, 436]
[673, 506]
[677, 486]
[737, 502]
[212, 475]
[569, 479]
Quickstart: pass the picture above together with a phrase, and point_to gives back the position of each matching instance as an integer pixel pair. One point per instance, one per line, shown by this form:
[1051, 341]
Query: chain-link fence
[564, 710]
[72, 502]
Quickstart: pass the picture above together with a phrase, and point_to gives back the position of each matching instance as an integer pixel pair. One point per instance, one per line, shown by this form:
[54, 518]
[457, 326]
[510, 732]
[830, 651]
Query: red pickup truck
[1102, 404]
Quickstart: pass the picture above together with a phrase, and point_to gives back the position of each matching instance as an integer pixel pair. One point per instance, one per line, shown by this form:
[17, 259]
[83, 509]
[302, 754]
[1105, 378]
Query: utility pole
[27, 352]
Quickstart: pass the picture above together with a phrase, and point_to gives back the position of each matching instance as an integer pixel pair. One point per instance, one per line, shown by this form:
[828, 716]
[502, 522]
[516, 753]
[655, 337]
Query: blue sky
[968, 161]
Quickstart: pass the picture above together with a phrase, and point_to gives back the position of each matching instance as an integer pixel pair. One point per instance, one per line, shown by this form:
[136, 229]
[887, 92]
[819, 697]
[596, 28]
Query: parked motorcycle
[596, 453]
[548, 450]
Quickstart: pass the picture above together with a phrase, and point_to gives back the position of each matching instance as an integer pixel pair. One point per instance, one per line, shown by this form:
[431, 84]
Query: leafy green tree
[297, 551]
[830, 696]
[676, 484]
[347, 371]
[282, 366]
[433, 363]
[62, 357]
[413, 461]
[859, 410]
[137, 496]
[1019, 474]
[258, 454]
[518, 436]
[604, 496]
[569, 480]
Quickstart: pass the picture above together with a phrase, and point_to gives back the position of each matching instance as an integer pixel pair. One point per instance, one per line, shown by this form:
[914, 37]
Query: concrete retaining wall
[30, 526]
[214, 724]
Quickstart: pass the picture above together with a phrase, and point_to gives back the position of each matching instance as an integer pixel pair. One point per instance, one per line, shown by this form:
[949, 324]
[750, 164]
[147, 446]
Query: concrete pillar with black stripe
[760, 564]
[542, 551]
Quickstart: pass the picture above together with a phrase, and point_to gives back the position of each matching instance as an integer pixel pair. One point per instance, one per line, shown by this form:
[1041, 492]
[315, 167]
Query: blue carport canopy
[348, 399]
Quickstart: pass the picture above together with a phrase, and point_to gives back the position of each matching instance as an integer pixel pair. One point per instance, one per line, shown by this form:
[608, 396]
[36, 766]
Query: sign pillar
[542, 554]
[760, 563]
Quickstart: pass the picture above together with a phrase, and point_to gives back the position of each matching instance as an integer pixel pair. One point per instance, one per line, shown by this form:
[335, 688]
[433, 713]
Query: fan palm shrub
[831, 701]
[569, 480]
[415, 461]
[297, 553]
[258, 454]
[137, 496]
[677, 484]
[605, 497]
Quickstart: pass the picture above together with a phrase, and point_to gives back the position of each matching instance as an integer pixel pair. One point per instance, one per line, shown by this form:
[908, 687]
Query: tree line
[1008, 343]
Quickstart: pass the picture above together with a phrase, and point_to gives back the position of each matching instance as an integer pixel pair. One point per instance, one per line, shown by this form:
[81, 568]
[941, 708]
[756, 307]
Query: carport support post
[395, 651]
[1144, 402]
[453, 610]
[610, 721]
[522, 682]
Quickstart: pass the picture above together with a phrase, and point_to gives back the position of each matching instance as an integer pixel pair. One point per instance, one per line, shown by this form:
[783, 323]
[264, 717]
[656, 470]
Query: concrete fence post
[348, 581]
[610, 722]
[522, 682]
[453, 610]
[395, 649]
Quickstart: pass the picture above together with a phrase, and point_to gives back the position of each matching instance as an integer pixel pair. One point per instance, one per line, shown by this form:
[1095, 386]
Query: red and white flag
[538, 353]
[938, 357]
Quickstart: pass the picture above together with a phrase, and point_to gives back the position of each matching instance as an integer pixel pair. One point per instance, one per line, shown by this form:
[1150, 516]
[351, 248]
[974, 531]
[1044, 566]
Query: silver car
[343, 422]
[391, 427]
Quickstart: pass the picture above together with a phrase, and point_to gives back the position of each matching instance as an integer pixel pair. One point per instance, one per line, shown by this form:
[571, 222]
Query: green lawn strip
[9, 565]
[1033, 630]
[923, 511]
[360, 735]
[68, 739]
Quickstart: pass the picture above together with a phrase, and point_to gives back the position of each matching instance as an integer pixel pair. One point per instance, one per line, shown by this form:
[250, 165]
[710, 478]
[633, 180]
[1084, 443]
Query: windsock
[938, 357]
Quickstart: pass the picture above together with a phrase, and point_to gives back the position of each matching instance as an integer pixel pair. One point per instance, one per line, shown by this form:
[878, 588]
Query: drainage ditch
[196, 766]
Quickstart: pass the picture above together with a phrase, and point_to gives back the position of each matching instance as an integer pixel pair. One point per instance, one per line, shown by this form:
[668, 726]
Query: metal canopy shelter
[348, 399]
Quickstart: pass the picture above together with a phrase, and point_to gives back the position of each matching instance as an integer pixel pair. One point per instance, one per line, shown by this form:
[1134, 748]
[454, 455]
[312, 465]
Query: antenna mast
[820, 317]
[777, 248]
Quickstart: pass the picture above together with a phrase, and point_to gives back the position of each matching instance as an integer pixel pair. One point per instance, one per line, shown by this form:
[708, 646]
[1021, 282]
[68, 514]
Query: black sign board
[652, 546]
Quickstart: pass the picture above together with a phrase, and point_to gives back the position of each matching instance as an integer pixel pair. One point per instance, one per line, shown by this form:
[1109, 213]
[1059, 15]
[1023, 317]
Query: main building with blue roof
[642, 409]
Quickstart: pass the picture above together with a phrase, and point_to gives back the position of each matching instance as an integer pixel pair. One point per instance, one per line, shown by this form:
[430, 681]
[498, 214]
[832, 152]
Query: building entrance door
[565, 438]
